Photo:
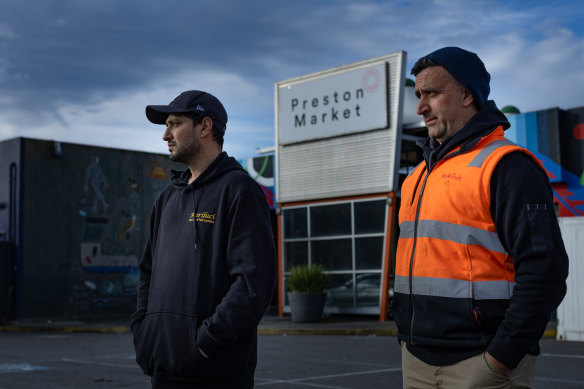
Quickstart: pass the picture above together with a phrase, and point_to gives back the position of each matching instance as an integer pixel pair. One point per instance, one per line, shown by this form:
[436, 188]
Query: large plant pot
[306, 307]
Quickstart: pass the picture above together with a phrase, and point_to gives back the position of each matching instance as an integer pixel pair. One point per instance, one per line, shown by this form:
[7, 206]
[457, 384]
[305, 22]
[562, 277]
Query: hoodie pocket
[166, 345]
[234, 358]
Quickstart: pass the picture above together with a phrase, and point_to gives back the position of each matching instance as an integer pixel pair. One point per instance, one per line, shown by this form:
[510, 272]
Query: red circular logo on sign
[371, 80]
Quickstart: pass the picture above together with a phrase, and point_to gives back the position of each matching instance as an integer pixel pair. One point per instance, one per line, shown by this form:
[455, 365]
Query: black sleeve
[251, 261]
[145, 269]
[523, 211]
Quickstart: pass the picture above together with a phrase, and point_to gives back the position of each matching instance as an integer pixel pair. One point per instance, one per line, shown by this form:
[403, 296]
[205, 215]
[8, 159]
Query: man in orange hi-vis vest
[480, 263]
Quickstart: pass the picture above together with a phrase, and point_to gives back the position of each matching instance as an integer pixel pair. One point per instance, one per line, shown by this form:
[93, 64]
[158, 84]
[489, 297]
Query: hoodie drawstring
[194, 218]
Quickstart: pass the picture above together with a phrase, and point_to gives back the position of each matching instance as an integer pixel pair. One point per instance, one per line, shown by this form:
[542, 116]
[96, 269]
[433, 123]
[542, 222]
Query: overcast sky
[82, 71]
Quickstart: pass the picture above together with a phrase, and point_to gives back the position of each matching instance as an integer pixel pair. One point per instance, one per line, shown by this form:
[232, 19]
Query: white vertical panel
[571, 310]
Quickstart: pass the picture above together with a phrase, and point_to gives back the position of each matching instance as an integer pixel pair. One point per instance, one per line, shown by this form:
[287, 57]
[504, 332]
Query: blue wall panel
[531, 133]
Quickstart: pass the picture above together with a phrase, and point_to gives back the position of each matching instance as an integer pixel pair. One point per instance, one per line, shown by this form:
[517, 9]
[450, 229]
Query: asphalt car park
[33, 359]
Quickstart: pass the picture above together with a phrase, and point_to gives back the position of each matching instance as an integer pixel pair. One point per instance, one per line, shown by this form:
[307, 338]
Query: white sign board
[338, 131]
[347, 102]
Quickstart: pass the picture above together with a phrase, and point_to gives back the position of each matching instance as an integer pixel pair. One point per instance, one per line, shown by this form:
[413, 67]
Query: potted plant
[307, 297]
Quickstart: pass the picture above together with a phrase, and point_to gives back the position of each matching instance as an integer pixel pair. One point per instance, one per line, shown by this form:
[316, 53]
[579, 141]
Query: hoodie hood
[221, 165]
[486, 120]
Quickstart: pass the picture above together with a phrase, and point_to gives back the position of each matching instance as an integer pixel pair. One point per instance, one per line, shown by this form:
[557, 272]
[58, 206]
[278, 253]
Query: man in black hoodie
[208, 272]
[480, 263]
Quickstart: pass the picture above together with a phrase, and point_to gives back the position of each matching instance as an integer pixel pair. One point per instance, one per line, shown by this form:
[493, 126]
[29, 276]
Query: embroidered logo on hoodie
[204, 217]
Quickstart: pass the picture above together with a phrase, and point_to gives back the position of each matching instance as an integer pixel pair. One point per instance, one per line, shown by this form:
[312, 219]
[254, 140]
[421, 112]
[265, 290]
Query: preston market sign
[348, 102]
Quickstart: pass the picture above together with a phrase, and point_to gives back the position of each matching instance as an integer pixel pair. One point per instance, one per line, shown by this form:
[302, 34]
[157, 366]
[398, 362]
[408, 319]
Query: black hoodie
[206, 278]
[519, 189]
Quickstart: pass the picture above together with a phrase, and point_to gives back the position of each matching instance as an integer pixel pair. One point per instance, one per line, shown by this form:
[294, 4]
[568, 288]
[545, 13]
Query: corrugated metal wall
[571, 311]
[349, 165]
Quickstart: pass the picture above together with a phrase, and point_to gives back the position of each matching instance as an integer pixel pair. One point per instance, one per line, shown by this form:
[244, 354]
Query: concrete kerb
[270, 327]
[261, 330]
[282, 326]
[65, 327]
[326, 331]
[549, 333]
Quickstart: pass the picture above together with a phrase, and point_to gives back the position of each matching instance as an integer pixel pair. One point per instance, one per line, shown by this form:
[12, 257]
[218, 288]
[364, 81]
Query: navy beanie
[467, 68]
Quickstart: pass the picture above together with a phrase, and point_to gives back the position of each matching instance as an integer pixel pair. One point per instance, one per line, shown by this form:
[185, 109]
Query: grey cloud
[67, 52]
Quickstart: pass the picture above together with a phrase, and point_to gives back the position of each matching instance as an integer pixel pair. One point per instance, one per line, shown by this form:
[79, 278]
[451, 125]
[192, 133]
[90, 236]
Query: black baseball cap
[197, 102]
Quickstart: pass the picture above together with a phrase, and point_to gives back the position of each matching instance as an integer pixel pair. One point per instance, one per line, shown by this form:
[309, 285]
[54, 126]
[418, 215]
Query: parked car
[368, 292]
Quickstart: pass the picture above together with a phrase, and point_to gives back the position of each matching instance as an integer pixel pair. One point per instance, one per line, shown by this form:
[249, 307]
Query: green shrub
[307, 279]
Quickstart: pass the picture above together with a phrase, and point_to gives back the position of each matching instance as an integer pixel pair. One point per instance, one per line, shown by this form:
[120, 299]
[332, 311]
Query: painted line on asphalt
[351, 363]
[20, 367]
[304, 384]
[84, 362]
[322, 377]
[559, 380]
[562, 355]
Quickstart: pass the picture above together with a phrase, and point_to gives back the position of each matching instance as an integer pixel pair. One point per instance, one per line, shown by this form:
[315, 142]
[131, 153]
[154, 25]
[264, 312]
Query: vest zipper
[477, 314]
[415, 188]
[412, 303]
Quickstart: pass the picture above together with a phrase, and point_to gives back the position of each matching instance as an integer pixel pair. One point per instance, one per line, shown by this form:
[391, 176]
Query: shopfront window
[332, 254]
[330, 220]
[296, 253]
[369, 252]
[295, 225]
[347, 239]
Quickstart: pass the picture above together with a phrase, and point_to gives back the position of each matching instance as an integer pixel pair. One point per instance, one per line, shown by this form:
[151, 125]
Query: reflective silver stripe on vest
[414, 169]
[446, 287]
[487, 150]
[452, 232]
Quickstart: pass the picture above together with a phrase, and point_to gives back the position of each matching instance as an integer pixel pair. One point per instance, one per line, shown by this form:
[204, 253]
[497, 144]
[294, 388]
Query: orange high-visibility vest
[448, 244]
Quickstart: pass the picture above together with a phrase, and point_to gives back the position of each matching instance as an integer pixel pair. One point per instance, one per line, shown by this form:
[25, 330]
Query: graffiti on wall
[114, 207]
[107, 225]
[95, 179]
[261, 169]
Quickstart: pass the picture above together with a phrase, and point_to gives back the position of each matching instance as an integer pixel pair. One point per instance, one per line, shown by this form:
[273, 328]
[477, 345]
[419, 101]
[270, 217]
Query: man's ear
[467, 98]
[206, 126]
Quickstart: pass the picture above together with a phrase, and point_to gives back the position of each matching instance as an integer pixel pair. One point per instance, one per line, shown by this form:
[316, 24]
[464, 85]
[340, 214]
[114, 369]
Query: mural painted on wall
[261, 169]
[114, 205]
[556, 137]
[105, 226]
[95, 179]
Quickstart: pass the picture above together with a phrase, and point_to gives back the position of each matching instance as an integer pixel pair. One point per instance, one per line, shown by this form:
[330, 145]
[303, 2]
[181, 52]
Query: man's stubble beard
[186, 154]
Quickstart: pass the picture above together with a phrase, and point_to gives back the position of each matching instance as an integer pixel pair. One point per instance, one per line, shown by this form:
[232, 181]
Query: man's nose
[422, 106]
[167, 135]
